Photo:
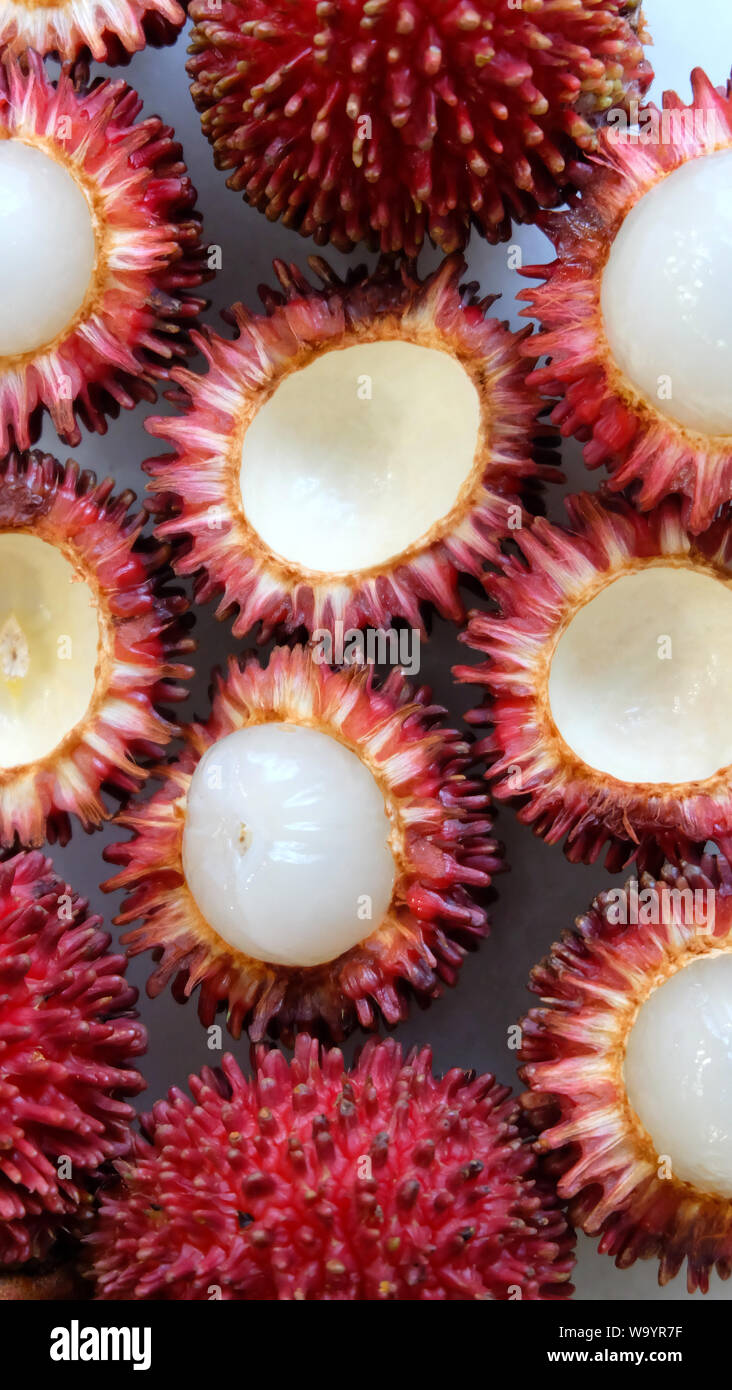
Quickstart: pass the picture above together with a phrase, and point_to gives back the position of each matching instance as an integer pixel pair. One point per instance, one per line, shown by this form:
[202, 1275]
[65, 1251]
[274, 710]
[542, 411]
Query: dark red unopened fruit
[315, 1182]
[394, 120]
[67, 1037]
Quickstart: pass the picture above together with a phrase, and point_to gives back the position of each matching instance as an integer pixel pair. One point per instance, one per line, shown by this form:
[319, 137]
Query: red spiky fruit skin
[139, 671]
[647, 454]
[230, 560]
[142, 298]
[67, 1037]
[401, 119]
[448, 854]
[538, 589]
[108, 32]
[314, 1182]
[592, 984]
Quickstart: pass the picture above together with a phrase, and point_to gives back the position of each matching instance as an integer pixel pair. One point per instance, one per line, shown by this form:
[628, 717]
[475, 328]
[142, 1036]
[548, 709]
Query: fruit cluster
[318, 851]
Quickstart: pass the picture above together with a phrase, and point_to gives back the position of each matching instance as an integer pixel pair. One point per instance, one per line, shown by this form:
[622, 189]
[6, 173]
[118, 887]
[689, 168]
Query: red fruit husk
[108, 31]
[139, 669]
[537, 592]
[199, 484]
[133, 325]
[442, 844]
[408, 119]
[642, 448]
[67, 1038]
[316, 1182]
[592, 984]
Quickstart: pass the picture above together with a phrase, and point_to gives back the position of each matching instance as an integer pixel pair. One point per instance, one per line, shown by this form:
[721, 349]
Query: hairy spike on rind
[441, 843]
[139, 669]
[134, 322]
[592, 984]
[200, 481]
[107, 30]
[315, 1182]
[642, 448]
[395, 121]
[67, 1037]
[537, 592]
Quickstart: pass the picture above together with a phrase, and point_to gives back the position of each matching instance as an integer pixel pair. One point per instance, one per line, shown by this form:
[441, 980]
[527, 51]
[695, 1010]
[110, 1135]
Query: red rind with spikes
[592, 983]
[135, 326]
[642, 448]
[200, 482]
[444, 851]
[139, 670]
[106, 30]
[67, 1037]
[392, 120]
[538, 591]
[318, 1183]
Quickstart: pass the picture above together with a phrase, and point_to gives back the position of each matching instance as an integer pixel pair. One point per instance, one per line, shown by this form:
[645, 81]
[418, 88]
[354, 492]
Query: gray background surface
[542, 893]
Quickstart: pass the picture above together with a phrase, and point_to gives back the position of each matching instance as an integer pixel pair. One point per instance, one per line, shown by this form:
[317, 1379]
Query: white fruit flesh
[640, 680]
[667, 295]
[286, 844]
[49, 647]
[678, 1072]
[356, 457]
[47, 248]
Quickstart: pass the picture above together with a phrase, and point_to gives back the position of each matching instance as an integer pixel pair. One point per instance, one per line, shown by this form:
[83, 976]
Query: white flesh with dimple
[678, 1072]
[667, 295]
[47, 248]
[641, 679]
[49, 647]
[356, 457]
[286, 844]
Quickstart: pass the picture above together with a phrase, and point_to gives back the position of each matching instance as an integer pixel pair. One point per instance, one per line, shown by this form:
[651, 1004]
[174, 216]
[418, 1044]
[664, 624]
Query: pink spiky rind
[442, 845]
[475, 110]
[538, 589]
[592, 984]
[139, 670]
[641, 447]
[312, 1181]
[106, 30]
[199, 481]
[67, 1040]
[135, 325]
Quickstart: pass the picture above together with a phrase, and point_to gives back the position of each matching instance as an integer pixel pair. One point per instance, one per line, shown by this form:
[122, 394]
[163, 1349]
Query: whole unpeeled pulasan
[315, 1182]
[395, 120]
[67, 1037]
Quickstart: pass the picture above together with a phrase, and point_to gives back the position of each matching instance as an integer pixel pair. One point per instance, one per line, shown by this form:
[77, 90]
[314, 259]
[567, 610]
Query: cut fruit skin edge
[592, 984]
[538, 590]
